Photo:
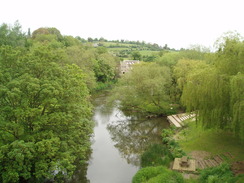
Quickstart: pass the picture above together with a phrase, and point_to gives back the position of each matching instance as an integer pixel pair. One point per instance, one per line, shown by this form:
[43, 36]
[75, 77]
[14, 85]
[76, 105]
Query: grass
[195, 138]
[124, 45]
[148, 52]
[118, 49]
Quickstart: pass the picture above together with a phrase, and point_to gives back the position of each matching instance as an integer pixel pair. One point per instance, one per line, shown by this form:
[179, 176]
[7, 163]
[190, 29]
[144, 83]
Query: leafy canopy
[44, 116]
[216, 91]
[145, 88]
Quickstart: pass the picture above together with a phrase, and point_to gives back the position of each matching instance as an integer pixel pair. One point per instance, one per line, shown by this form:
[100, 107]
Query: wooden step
[228, 155]
[184, 117]
[180, 117]
[208, 163]
[177, 119]
[204, 164]
[200, 165]
[214, 162]
[218, 159]
[173, 121]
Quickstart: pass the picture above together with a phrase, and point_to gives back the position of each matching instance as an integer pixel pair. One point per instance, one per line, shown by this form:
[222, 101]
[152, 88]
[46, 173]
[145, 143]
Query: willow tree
[217, 91]
[184, 67]
[237, 103]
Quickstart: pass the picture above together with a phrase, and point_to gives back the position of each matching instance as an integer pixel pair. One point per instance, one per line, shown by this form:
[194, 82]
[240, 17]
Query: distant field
[124, 50]
[124, 45]
[148, 52]
[118, 49]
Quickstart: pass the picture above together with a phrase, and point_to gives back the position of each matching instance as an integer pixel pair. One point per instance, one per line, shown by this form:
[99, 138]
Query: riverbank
[204, 146]
[194, 138]
[201, 144]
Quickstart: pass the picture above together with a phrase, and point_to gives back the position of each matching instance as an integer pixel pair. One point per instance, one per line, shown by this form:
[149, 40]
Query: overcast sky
[178, 23]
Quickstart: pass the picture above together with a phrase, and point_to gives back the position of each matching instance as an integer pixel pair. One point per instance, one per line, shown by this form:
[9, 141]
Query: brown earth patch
[238, 167]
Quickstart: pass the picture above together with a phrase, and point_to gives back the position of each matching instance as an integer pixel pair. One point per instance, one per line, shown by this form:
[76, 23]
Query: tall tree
[216, 92]
[145, 88]
[12, 35]
[45, 112]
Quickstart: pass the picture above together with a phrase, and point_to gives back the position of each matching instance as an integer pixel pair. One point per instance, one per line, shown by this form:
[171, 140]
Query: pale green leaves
[145, 88]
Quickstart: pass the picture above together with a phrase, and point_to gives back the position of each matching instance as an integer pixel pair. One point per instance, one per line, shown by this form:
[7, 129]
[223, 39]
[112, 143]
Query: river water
[118, 141]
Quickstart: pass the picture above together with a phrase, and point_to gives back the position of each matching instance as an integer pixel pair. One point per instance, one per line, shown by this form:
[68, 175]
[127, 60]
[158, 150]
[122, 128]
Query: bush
[217, 174]
[147, 173]
[101, 86]
[170, 143]
[169, 177]
[157, 174]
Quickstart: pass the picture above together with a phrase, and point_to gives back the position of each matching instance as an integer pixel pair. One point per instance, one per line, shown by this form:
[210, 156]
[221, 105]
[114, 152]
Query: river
[118, 141]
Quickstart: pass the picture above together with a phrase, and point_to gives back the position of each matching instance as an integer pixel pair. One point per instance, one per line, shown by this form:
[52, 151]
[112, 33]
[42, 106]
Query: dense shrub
[157, 174]
[170, 143]
[169, 177]
[218, 174]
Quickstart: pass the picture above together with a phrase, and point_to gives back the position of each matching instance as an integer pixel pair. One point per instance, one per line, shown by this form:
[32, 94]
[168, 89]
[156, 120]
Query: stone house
[126, 65]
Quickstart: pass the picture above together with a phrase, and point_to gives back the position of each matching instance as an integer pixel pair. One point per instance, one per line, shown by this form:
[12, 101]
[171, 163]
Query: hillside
[135, 50]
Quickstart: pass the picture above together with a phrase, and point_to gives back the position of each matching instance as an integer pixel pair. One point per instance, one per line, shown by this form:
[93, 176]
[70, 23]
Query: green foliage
[157, 154]
[101, 86]
[236, 100]
[196, 52]
[136, 55]
[196, 138]
[157, 174]
[145, 88]
[171, 177]
[173, 148]
[45, 112]
[44, 115]
[85, 59]
[184, 67]
[47, 31]
[218, 174]
[105, 68]
[12, 35]
[147, 173]
[216, 91]
[168, 58]
[162, 154]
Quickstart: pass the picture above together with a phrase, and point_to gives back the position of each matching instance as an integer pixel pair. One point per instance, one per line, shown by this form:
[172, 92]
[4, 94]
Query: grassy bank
[195, 138]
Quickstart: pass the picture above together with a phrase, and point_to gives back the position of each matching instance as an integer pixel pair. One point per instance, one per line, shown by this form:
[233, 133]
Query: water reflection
[106, 164]
[118, 141]
[134, 134]
[80, 175]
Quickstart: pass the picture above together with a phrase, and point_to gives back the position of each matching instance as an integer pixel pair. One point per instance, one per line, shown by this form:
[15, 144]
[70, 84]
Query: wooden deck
[177, 119]
[202, 163]
[214, 161]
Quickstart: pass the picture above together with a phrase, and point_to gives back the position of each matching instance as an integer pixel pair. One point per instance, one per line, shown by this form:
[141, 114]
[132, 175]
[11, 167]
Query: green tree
[184, 67]
[216, 92]
[106, 67]
[12, 35]
[85, 59]
[45, 31]
[45, 113]
[145, 88]
[136, 55]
